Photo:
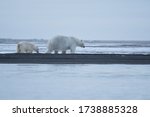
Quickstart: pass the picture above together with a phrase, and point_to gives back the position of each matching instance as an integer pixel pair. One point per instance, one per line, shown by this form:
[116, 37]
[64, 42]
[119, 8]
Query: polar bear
[26, 47]
[63, 43]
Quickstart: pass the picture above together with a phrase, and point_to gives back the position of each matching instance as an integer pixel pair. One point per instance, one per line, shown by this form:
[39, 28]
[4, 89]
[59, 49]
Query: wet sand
[75, 58]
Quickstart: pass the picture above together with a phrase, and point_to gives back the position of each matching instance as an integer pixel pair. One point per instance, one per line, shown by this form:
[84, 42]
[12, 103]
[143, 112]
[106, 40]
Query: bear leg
[64, 52]
[56, 52]
[72, 49]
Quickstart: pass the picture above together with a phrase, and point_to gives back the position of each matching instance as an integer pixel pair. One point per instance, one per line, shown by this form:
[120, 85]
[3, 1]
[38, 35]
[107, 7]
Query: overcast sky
[85, 19]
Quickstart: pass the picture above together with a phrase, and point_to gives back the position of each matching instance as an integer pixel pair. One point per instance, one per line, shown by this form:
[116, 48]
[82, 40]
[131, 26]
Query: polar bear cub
[26, 47]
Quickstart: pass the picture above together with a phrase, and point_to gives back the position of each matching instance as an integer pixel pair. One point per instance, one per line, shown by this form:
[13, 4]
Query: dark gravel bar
[12, 58]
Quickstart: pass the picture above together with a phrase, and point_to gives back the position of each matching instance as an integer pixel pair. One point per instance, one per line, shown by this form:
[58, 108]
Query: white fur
[26, 47]
[63, 43]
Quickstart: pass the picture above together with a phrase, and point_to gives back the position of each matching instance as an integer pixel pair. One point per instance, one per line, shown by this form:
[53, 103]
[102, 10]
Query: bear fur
[64, 43]
[26, 47]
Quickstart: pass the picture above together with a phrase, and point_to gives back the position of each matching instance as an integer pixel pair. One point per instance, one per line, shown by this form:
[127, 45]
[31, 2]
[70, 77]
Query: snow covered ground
[38, 81]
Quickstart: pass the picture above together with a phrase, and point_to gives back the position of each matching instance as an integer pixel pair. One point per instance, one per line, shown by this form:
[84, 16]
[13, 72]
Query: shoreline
[12, 58]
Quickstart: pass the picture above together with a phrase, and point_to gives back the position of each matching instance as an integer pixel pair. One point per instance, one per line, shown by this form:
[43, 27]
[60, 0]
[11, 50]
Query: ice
[81, 81]
[93, 47]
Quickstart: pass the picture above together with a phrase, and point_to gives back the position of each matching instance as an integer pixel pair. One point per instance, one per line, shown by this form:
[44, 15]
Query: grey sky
[85, 19]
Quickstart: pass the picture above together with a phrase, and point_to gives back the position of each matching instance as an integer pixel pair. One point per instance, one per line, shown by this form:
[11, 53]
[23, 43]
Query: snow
[98, 47]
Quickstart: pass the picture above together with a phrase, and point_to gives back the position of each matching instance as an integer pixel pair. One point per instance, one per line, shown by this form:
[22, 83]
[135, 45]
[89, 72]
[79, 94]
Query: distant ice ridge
[92, 47]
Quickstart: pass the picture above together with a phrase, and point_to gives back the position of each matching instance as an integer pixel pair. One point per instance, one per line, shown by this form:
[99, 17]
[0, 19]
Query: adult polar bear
[63, 43]
[26, 47]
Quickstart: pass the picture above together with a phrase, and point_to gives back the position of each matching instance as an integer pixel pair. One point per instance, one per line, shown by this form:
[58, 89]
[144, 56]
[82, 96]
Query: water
[28, 81]
[80, 81]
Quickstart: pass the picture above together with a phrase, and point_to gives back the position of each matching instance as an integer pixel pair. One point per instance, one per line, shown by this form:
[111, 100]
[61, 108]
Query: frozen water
[36, 81]
[100, 47]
